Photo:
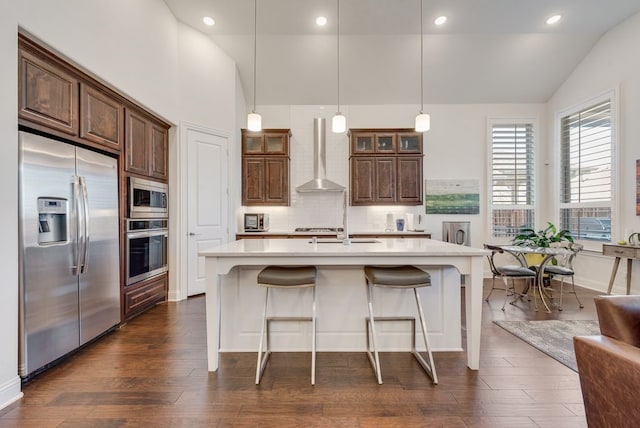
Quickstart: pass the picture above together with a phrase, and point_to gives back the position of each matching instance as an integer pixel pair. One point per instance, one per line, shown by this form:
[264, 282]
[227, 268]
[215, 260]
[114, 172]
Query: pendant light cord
[421, 61]
[255, 49]
[338, 43]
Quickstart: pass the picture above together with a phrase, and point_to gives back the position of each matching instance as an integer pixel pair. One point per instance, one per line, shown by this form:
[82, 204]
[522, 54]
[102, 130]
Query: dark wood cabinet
[145, 146]
[101, 118]
[409, 190]
[373, 180]
[57, 98]
[144, 295]
[158, 166]
[48, 95]
[136, 143]
[386, 167]
[265, 167]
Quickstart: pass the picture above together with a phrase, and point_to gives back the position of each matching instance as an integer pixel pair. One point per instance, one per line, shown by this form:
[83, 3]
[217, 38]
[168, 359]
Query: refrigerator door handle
[85, 220]
[78, 215]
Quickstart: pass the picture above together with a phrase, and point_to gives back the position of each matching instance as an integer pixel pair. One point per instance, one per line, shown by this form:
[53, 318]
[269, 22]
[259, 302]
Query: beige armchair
[609, 364]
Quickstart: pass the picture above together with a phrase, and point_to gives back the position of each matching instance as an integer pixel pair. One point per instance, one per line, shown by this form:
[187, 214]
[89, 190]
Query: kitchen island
[233, 300]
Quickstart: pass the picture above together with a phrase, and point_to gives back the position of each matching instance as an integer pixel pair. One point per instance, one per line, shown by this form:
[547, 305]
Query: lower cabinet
[144, 295]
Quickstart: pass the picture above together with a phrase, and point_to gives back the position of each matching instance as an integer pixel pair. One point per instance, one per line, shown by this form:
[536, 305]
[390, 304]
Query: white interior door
[207, 200]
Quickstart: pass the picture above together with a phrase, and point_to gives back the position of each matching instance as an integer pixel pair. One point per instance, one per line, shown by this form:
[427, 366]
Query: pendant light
[254, 120]
[423, 120]
[339, 122]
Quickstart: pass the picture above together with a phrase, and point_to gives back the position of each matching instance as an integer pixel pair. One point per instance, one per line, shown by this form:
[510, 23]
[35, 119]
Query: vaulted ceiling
[489, 51]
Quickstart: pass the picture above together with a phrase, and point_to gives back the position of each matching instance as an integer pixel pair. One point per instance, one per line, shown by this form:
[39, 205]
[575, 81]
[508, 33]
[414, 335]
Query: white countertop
[304, 247]
[351, 233]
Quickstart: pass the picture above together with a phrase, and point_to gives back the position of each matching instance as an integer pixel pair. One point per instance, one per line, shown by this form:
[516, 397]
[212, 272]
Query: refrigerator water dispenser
[52, 220]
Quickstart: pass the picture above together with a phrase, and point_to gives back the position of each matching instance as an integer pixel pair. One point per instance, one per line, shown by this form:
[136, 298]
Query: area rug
[553, 337]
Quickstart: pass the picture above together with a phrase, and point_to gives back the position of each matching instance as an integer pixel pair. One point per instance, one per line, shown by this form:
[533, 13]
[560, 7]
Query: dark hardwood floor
[153, 373]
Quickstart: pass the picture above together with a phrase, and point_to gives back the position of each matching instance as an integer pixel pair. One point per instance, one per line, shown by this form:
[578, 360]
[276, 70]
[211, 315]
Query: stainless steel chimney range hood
[319, 183]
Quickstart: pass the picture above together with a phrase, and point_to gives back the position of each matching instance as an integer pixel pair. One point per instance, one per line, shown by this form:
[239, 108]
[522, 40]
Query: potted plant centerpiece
[542, 238]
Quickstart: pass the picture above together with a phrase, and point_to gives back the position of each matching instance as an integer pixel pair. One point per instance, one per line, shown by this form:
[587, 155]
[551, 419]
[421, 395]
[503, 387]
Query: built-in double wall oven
[147, 230]
[147, 241]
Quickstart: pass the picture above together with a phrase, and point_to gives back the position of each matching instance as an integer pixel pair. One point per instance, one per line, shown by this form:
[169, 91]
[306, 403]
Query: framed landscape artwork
[452, 196]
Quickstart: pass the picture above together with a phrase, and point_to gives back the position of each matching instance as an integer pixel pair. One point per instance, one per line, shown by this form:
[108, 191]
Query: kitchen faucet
[345, 220]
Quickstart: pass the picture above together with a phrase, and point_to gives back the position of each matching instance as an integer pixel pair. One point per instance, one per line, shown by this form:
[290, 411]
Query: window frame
[491, 122]
[612, 96]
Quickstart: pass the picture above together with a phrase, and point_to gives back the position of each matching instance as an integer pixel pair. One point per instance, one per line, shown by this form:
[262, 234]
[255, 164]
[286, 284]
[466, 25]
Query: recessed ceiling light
[554, 19]
[440, 20]
[209, 21]
[321, 21]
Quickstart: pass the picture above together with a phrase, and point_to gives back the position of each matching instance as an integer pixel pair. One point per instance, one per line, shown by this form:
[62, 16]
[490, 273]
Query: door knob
[192, 234]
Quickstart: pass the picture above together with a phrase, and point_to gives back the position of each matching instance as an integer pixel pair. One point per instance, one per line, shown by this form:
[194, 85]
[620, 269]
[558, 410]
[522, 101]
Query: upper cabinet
[48, 95]
[265, 167]
[266, 142]
[101, 118]
[145, 145]
[385, 141]
[385, 167]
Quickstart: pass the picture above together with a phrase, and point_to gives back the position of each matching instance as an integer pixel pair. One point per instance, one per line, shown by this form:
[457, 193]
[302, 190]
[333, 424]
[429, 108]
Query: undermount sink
[352, 240]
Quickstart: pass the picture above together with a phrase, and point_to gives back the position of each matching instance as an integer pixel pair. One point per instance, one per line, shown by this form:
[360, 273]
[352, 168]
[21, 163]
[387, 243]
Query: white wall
[9, 380]
[137, 47]
[612, 63]
[455, 147]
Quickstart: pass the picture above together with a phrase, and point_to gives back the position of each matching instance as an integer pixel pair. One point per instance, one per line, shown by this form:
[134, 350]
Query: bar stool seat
[403, 277]
[291, 277]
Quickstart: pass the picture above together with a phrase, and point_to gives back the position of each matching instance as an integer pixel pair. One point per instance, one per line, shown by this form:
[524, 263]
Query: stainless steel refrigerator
[69, 255]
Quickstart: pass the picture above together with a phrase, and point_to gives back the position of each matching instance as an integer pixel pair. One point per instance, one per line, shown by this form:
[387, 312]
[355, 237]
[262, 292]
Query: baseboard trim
[10, 392]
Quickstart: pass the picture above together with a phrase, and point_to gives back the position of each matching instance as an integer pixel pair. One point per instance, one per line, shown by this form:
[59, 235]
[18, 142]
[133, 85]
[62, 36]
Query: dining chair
[506, 272]
[564, 268]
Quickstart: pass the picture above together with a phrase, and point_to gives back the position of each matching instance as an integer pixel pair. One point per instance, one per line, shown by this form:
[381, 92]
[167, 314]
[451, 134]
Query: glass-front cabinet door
[362, 143]
[409, 142]
[275, 144]
[385, 143]
[252, 144]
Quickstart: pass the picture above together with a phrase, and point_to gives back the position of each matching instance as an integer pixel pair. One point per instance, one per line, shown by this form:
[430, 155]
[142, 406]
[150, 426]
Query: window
[512, 177]
[586, 178]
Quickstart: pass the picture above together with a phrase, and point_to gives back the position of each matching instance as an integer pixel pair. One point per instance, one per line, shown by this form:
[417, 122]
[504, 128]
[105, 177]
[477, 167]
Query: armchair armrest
[609, 372]
[619, 317]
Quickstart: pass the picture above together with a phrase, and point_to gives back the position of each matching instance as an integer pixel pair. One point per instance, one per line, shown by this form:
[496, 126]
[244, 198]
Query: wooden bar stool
[286, 277]
[402, 277]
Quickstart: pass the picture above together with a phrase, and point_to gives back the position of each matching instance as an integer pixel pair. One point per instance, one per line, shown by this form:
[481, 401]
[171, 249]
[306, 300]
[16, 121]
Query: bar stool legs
[402, 277]
[283, 277]
[375, 362]
[430, 368]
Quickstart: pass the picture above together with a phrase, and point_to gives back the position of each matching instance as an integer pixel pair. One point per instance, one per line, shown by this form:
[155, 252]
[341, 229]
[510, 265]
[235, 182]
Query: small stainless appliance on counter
[256, 222]
[456, 232]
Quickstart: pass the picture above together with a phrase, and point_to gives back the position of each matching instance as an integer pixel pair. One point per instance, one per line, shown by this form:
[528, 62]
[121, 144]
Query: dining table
[548, 254]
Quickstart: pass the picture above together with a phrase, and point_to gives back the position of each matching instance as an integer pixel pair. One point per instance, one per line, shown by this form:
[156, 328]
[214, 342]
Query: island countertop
[226, 263]
[332, 247]
[275, 234]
